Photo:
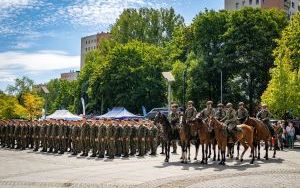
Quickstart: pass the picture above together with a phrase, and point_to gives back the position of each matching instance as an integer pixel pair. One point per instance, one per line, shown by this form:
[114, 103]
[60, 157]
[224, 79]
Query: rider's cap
[209, 102]
[264, 105]
[190, 102]
[241, 104]
[220, 105]
[229, 104]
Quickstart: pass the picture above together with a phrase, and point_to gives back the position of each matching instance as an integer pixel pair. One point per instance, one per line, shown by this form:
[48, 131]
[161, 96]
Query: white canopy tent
[64, 114]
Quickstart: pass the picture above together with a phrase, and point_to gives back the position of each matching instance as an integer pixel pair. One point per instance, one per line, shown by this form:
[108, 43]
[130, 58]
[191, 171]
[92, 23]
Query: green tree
[283, 91]
[130, 76]
[10, 107]
[146, 25]
[33, 105]
[21, 86]
[249, 43]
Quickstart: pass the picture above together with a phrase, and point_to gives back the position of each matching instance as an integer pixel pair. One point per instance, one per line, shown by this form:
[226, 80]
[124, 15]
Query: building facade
[90, 43]
[69, 76]
[291, 7]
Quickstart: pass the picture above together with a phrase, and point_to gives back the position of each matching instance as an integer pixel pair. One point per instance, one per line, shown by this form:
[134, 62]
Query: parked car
[151, 115]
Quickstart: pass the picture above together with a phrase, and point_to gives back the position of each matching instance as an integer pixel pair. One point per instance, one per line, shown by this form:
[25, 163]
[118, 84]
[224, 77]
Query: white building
[69, 76]
[90, 43]
[291, 7]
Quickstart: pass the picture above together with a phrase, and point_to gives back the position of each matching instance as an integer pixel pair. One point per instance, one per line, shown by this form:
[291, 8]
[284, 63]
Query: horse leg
[202, 148]
[206, 152]
[209, 150]
[267, 151]
[219, 153]
[252, 151]
[197, 145]
[189, 149]
[245, 149]
[182, 153]
[238, 151]
[214, 149]
[222, 159]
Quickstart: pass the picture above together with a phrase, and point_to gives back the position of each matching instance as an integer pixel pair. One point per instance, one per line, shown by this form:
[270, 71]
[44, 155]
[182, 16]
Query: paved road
[35, 169]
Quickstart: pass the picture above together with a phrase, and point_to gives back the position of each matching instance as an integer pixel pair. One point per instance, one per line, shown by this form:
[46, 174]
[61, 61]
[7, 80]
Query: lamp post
[169, 78]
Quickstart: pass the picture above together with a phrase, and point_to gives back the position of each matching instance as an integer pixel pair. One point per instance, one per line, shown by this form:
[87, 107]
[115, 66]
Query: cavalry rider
[264, 115]
[230, 121]
[208, 111]
[242, 114]
[220, 112]
[174, 120]
[190, 112]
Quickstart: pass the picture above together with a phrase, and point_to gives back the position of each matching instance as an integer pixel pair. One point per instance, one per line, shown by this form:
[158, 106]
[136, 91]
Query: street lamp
[169, 78]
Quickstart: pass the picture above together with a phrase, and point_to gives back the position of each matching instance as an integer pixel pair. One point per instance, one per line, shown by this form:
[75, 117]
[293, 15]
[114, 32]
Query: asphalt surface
[36, 169]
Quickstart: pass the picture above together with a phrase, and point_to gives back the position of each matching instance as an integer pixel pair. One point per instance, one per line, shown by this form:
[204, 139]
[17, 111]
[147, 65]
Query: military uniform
[264, 115]
[133, 140]
[111, 133]
[126, 140]
[62, 138]
[190, 113]
[84, 138]
[93, 137]
[242, 115]
[153, 139]
[141, 140]
[206, 112]
[75, 135]
[220, 114]
[119, 140]
[43, 137]
[24, 133]
[102, 140]
[17, 134]
[231, 122]
[36, 136]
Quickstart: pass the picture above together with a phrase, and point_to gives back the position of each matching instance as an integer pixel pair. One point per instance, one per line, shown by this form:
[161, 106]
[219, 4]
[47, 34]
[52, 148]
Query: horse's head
[158, 118]
[212, 123]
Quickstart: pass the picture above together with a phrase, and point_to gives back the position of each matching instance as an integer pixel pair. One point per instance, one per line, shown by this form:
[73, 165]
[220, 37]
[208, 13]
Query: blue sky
[41, 38]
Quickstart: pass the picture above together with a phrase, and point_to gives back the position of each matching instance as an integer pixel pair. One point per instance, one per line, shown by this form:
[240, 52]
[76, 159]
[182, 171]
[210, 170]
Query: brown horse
[204, 136]
[245, 137]
[184, 136]
[261, 132]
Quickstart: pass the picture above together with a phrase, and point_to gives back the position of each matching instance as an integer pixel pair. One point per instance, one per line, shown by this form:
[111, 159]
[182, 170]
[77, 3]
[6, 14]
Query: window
[293, 5]
[85, 49]
[257, 2]
[86, 42]
[243, 3]
[236, 5]
[250, 2]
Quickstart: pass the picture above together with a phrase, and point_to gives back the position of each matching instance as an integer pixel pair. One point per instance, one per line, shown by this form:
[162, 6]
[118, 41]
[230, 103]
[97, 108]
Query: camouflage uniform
[17, 134]
[190, 113]
[93, 137]
[133, 139]
[242, 115]
[119, 140]
[55, 138]
[43, 137]
[102, 140]
[141, 140]
[111, 133]
[62, 133]
[230, 121]
[264, 115]
[153, 138]
[84, 138]
[48, 137]
[30, 140]
[174, 120]
[11, 135]
[24, 133]
[147, 139]
[36, 136]
[220, 113]
[126, 140]
[75, 135]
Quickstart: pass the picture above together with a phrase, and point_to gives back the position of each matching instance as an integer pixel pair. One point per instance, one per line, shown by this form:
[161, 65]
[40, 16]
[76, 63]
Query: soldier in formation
[112, 138]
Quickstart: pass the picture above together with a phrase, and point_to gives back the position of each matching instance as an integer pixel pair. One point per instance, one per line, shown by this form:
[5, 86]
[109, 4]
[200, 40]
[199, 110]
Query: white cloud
[98, 12]
[13, 63]
[4, 4]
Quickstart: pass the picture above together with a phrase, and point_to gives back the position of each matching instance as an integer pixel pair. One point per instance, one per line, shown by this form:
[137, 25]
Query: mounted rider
[230, 121]
[190, 112]
[220, 112]
[264, 115]
[208, 111]
[242, 114]
[174, 121]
